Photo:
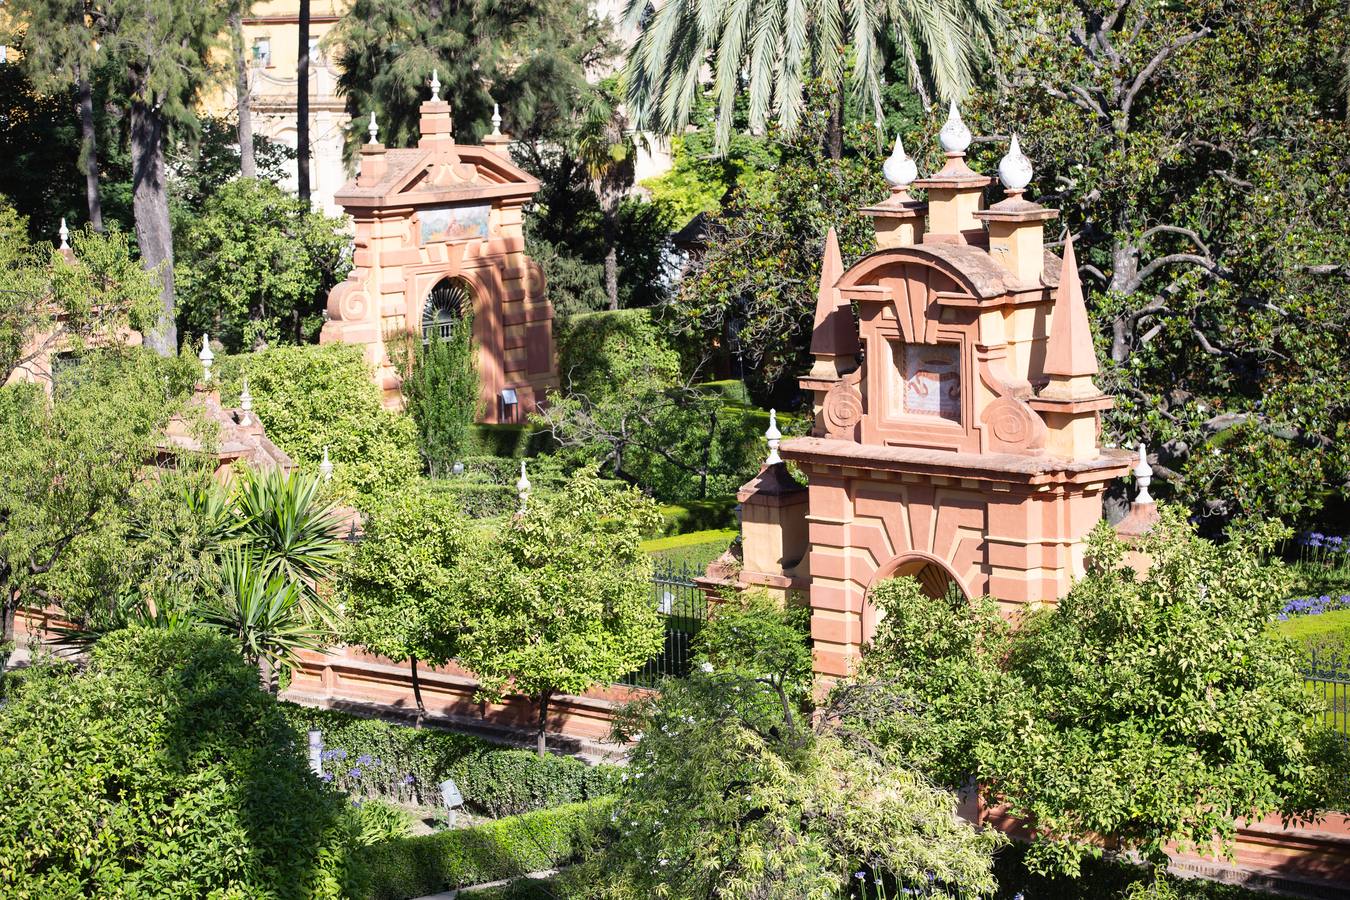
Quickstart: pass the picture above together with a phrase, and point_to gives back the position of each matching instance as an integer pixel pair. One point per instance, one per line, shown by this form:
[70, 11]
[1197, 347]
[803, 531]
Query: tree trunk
[302, 107]
[834, 134]
[612, 275]
[244, 100]
[9, 608]
[417, 693]
[89, 151]
[150, 204]
[541, 739]
[265, 674]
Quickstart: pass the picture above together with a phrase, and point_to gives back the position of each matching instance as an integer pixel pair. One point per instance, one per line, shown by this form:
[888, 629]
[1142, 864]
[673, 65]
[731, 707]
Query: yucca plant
[265, 611]
[290, 530]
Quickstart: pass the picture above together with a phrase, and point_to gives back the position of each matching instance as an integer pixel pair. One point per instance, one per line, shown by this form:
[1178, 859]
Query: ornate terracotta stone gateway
[438, 236]
[957, 422]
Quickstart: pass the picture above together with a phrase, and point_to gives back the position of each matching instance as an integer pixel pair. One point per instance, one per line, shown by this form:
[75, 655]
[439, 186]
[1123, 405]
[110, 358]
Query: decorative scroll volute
[1013, 427]
[843, 409]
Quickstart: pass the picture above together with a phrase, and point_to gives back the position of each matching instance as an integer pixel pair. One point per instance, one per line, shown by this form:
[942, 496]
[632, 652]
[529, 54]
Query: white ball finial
[207, 357]
[326, 466]
[1014, 169]
[1143, 475]
[496, 119]
[954, 136]
[246, 404]
[64, 233]
[899, 169]
[774, 437]
[523, 487]
[373, 129]
[435, 86]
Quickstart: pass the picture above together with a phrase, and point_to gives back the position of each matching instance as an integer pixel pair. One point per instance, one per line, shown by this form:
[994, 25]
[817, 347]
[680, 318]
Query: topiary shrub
[599, 354]
[510, 848]
[163, 770]
[309, 398]
[509, 782]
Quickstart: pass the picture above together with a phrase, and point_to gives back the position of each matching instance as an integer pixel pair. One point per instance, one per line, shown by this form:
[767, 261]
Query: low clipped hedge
[373, 758]
[510, 782]
[698, 515]
[693, 550]
[477, 499]
[507, 848]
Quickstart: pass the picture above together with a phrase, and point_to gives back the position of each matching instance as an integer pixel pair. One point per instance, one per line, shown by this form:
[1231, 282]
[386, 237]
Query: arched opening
[446, 305]
[935, 579]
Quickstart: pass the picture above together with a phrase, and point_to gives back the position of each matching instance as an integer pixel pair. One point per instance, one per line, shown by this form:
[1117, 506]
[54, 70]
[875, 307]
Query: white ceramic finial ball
[1015, 170]
[954, 136]
[899, 169]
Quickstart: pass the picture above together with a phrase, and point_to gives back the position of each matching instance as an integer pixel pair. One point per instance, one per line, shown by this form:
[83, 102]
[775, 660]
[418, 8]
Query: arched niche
[935, 577]
[445, 306]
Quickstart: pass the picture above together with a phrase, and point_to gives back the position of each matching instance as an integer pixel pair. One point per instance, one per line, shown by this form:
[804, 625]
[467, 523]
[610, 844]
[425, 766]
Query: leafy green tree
[560, 599]
[441, 394]
[312, 398]
[255, 266]
[754, 290]
[162, 770]
[68, 467]
[160, 57]
[529, 57]
[1199, 152]
[608, 152]
[941, 660]
[397, 588]
[732, 792]
[770, 50]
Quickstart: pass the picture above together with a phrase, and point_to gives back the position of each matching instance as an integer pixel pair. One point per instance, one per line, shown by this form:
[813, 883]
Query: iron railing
[684, 609]
[1329, 681]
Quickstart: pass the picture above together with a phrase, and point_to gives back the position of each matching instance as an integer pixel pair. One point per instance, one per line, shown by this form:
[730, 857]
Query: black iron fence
[684, 609]
[1329, 680]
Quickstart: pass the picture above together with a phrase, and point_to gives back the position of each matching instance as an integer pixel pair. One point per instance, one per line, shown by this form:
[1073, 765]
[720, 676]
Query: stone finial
[774, 437]
[523, 487]
[954, 136]
[834, 339]
[1069, 353]
[326, 466]
[1015, 170]
[373, 129]
[246, 404]
[435, 86]
[496, 119]
[207, 357]
[64, 234]
[899, 170]
[1143, 476]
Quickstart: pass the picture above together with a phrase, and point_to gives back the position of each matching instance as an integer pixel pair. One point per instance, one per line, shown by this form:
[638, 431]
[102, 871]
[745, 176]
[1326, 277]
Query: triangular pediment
[458, 172]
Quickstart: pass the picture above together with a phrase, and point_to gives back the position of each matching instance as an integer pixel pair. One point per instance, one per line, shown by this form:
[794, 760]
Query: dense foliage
[1199, 152]
[312, 398]
[730, 790]
[560, 598]
[255, 266]
[162, 770]
[440, 392]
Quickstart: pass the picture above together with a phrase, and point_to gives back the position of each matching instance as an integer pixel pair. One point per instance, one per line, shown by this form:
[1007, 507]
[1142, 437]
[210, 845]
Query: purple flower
[860, 874]
[1335, 540]
[363, 759]
[355, 773]
[326, 776]
[408, 779]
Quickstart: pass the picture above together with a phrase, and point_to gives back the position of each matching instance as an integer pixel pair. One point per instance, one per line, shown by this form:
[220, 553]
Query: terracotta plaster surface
[209, 429]
[442, 211]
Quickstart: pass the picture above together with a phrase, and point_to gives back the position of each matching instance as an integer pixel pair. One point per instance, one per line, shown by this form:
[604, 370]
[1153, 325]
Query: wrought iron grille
[684, 609]
[445, 308]
[1329, 681]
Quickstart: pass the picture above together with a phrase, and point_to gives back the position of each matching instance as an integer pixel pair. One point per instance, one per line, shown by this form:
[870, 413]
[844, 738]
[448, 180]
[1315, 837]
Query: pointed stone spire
[246, 404]
[954, 136]
[1015, 170]
[435, 86]
[326, 466]
[1069, 354]
[206, 357]
[899, 170]
[774, 437]
[523, 487]
[834, 340]
[496, 119]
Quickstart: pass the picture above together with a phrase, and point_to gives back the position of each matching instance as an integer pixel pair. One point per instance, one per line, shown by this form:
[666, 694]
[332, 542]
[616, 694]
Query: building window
[262, 52]
[445, 307]
[926, 381]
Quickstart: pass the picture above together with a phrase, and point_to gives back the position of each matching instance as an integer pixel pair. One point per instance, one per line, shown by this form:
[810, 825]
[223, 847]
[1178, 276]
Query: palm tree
[769, 48]
[607, 149]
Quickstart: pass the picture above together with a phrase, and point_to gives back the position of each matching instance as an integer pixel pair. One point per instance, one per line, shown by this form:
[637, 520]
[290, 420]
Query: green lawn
[694, 550]
[1328, 631]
